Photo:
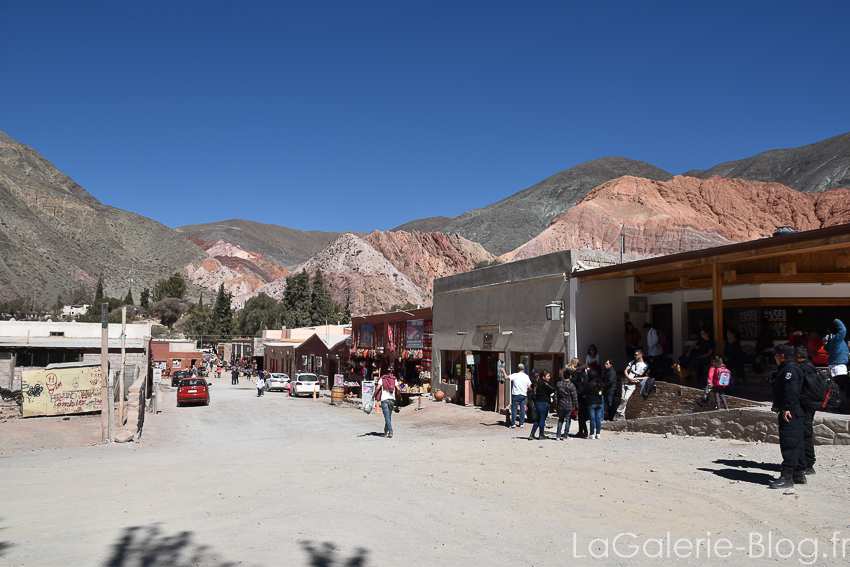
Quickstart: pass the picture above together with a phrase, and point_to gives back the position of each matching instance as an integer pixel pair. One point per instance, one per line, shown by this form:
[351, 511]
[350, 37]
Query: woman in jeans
[567, 400]
[542, 393]
[593, 398]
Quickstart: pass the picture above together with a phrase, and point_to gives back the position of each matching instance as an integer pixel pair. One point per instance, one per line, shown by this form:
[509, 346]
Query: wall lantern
[555, 311]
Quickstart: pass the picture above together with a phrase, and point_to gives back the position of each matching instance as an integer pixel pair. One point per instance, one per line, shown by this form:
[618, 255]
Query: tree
[145, 298]
[222, 314]
[199, 322]
[321, 306]
[296, 301]
[168, 310]
[346, 314]
[261, 312]
[129, 299]
[98, 291]
[174, 286]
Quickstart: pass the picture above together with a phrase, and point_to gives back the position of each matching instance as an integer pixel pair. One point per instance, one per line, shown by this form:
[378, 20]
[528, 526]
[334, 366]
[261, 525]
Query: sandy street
[283, 481]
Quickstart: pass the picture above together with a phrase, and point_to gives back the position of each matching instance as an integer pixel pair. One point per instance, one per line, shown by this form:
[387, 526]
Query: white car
[277, 381]
[305, 384]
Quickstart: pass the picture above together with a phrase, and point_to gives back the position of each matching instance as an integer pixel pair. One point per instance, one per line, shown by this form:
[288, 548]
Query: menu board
[748, 322]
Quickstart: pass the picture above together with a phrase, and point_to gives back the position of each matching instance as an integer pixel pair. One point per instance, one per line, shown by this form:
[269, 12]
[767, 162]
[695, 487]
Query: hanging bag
[531, 410]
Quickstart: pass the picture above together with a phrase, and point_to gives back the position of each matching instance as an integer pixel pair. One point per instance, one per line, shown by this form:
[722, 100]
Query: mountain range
[54, 234]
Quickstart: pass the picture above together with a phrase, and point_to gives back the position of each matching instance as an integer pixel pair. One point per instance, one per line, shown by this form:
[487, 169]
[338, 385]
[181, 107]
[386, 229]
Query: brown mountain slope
[54, 234]
[684, 214]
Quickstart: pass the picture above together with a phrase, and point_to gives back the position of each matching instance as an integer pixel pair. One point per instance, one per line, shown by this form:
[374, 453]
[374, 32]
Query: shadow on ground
[4, 545]
[746, 464]
[741, 475]
[150, 546]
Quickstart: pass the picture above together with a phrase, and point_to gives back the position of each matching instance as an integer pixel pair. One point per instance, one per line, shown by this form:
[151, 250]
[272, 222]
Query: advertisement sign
[415, 333]
[60, 391]
[368, 390]
[157, 375]
[365, 340]
[338, 379]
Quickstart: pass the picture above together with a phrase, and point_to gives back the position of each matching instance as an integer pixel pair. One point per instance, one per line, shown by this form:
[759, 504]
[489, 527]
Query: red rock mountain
[685, 213]
[239, 270]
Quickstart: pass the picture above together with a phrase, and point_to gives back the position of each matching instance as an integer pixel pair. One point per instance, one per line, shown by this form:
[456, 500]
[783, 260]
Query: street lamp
[554, 311]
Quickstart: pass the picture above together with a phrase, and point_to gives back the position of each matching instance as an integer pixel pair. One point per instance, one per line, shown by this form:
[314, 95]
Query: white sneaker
[520, 425]
[597, 436]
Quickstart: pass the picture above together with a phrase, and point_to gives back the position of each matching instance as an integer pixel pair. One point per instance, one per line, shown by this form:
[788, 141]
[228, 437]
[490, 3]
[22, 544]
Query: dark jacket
[593, 392]
[566, 396]
[609, 381]
[787, 384]
[835, 345]
[732, 350]
[544, 391]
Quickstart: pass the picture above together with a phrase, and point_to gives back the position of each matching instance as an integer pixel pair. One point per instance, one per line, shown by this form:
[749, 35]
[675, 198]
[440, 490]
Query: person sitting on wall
[733, 355]
[700, 353]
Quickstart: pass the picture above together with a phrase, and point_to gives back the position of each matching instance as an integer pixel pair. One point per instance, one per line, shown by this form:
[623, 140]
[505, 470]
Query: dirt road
[282, 481]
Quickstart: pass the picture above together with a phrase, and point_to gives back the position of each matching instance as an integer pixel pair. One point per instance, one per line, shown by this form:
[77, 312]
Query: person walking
[234, 376]
[386, 394]
[787, 384]
[566, 398]
[543, 391]
[635, 373]
[261, 384]
[520, 384]
[593, 399]
[609, 388]
[718, 378]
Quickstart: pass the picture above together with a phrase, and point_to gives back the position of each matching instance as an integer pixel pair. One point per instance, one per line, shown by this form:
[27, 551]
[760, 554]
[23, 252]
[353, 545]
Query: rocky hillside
[685, 213]
[513, 221]
[387, 268]
[54, 234]
[812, 169]
[239, 270]
[286, 247]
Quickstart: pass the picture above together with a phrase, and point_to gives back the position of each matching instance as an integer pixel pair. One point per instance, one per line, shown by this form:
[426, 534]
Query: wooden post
[717, 306]
[123, 361]
[12, 370]
[104, 372]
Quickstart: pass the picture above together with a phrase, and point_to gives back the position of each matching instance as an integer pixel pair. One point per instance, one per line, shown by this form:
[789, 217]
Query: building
[32, 345]
[73, 311]
[279, 347]
[176, 354]
[395, 342]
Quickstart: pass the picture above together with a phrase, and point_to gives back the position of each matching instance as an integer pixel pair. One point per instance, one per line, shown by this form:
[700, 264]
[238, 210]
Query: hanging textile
[428, 333]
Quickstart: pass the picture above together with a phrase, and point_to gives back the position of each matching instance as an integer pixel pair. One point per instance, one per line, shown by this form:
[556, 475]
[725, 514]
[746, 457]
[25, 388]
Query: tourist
[817, 354]
[385, 393]
[837, 351]
[718, 378]
[801, 358]
[261, 384]
[593, 401]
[700, 353]
[609, 388]
[543, 391]
[592, 358]
[654, 352]
[234, 376]
[520, 384]
[796, 336]
[567, 400]
[787, 383]
[631, 337]
[579, 378]
[635, 372]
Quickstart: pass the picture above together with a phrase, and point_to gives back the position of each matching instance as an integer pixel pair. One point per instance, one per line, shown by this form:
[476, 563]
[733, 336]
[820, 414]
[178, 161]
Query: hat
[784, 350]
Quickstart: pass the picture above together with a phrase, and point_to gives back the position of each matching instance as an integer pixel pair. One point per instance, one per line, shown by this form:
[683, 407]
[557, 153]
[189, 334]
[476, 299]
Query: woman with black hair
[593, 400]
[567, 400]
[543, 391]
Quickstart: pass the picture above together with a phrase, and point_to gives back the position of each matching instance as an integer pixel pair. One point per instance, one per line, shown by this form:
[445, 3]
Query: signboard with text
[61, 391]
[415, 333]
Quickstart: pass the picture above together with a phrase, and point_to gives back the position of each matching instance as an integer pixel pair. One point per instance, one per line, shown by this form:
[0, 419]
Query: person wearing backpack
[718, 378]
[787, 384]
[802, 360]
[838, 354]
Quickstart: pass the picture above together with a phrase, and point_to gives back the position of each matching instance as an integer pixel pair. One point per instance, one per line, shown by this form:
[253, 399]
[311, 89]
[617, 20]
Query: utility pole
[104, 372]
[123, 355]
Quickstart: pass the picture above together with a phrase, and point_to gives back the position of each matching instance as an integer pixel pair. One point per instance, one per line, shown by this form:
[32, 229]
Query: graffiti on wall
[61, 391]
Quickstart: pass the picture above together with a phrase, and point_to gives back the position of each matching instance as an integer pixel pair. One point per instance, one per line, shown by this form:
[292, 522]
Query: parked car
[193, 390]
[305, 384]
[277, 381]
[178, 375]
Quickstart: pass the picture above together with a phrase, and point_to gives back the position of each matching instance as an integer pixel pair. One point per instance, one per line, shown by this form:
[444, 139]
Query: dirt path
[282, 481]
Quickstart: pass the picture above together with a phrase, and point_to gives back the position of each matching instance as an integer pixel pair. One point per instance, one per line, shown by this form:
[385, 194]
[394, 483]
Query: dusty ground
[282, 481]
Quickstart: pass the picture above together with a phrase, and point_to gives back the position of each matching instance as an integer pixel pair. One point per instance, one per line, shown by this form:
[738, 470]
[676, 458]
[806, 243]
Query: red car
[193, 390]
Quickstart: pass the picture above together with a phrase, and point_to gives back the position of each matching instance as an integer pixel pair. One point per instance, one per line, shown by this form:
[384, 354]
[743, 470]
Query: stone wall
[134, 410]
[747, 424]
[673, 399]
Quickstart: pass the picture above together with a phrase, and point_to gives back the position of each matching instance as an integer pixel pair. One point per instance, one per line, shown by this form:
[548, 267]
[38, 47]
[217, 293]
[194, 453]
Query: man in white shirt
[635, 373]
[520, 383]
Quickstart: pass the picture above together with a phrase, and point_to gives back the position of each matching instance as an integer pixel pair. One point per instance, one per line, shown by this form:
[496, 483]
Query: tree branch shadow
[4, 545]
[325, 555]
[148, 546]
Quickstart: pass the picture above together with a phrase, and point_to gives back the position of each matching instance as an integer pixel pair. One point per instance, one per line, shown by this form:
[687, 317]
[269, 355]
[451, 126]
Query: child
[718, 378]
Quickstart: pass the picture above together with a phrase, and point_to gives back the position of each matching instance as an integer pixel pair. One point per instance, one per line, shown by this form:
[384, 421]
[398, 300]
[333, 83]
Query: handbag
[531, 411]
[369, 405]
[574, 415]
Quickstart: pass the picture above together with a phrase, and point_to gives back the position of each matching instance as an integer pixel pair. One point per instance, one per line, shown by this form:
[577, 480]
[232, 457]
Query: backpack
[819, 392]
[724, 377]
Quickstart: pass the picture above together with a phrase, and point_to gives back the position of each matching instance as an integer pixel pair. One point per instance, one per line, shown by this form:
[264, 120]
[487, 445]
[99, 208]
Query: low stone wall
[135, 412]
[747, 424]
[674, 399]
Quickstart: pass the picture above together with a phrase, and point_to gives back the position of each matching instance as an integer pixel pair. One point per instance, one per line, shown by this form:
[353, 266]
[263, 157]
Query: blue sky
[361, 115]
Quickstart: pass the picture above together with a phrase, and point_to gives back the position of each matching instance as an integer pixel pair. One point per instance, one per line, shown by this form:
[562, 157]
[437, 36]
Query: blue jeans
[542, 410]
[609, 404]
[596, 411]
[518, 401]
[387, 409]
[566, 429]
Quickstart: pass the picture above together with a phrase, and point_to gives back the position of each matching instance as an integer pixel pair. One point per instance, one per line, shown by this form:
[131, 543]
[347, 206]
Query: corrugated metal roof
[70, 343]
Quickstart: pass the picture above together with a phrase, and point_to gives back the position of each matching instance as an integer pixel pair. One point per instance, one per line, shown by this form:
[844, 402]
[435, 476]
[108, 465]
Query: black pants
[808, 438]
[791, 440]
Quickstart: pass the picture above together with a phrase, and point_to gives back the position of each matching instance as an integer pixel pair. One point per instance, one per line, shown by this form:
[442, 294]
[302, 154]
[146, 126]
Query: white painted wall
[72, 330]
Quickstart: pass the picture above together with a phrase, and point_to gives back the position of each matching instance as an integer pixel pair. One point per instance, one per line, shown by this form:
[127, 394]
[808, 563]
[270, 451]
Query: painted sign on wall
[415, 333]
[61, 391]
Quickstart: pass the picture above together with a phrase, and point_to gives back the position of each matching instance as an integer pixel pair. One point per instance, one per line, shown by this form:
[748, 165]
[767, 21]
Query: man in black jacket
[609, 388]
[801, 357]
[787, 383]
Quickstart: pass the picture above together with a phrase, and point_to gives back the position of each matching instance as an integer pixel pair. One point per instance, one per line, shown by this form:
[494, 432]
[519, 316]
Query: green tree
[98, 291]
[198, 323]
[222, 314]
[169, 310]
[296, 301]
[145, 298]
[321, 305]
[128, 300]
[174, 286]
[346, 313]
[261, 312]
